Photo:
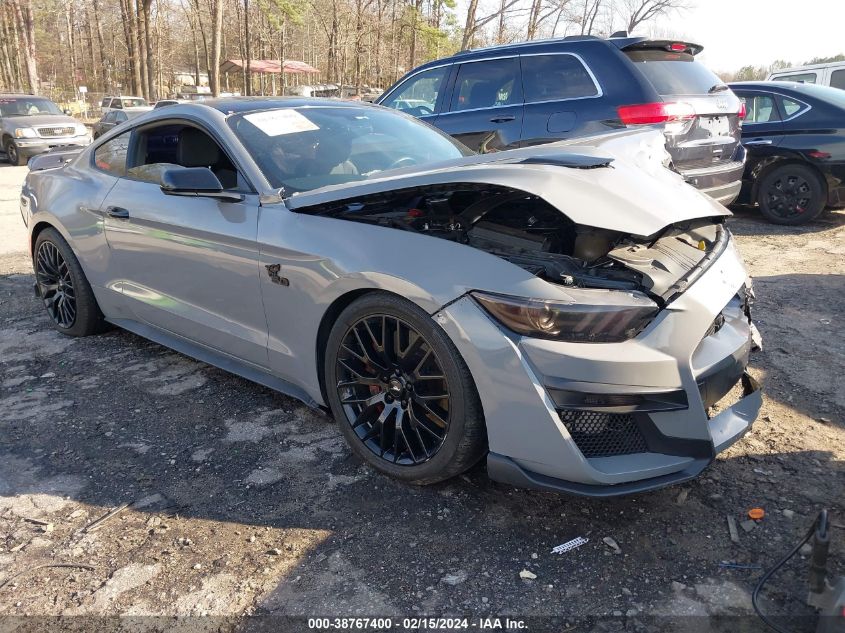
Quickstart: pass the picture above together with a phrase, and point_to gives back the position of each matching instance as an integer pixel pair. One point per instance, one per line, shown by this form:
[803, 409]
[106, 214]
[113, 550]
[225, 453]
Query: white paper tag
[278, 122]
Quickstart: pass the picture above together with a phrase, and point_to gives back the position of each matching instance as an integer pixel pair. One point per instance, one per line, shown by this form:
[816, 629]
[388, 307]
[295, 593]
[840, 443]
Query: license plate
[716, 125]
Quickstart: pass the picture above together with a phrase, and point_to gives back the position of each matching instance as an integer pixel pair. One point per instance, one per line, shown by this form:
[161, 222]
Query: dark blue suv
[542, 91]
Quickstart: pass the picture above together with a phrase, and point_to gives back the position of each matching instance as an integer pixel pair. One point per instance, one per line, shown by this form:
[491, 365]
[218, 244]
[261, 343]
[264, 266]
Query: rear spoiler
[672, 46]
[55, 158]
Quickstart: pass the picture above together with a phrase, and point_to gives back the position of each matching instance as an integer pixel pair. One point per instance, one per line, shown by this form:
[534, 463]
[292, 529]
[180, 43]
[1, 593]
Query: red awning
[271, 66]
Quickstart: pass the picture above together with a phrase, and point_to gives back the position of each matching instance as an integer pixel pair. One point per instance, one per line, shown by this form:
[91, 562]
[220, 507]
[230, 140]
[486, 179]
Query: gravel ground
[245, 502]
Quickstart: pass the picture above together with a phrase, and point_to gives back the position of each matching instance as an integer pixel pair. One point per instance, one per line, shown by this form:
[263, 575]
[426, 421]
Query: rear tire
[405, 402]
[63, 287]
[792, 194]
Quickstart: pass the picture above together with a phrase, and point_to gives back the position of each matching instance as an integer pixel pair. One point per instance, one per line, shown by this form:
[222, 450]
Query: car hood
[43, 120]
[617, 181]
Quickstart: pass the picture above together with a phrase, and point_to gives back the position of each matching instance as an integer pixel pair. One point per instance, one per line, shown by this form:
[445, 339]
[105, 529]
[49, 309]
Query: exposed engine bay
[528, 232]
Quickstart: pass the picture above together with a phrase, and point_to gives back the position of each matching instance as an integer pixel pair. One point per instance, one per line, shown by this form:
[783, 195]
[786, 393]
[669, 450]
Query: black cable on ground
[765, 578]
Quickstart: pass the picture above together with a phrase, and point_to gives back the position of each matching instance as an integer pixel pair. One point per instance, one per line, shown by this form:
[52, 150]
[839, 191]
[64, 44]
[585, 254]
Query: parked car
[31, 125]
[830, 74]
[162, 103]
[571, 312]
[795, 136]
[115, 118]
[122, 103]
[536, 92]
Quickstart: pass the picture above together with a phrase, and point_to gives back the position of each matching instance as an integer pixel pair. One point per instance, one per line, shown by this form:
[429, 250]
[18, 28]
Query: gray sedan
[570, 312]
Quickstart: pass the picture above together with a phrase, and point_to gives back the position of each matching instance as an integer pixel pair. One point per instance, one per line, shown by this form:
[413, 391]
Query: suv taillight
[742, 111]
[660, 112]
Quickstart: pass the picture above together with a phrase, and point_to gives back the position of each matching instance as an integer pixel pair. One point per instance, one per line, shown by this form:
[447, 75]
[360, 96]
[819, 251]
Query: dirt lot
[245, 502]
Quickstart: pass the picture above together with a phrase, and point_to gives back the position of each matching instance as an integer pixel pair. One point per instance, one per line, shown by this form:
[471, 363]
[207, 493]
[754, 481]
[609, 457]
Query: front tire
[402, 395]
[13, 154]
[792, 194]
[63, 287]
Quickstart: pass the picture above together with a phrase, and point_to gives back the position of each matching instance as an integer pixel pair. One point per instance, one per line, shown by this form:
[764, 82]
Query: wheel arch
[326, 323]
[37, 230]
[764, 168]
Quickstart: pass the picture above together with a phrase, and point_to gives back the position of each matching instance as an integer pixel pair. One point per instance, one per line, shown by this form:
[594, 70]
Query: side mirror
[195, 182]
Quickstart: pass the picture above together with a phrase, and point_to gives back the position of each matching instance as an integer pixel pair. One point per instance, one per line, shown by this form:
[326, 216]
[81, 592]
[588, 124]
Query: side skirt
[218, 359]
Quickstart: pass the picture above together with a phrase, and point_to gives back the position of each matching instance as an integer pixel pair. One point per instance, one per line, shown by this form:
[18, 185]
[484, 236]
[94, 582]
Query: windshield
[299, 149]
[27, 107]
[134, 102]
[674, 73]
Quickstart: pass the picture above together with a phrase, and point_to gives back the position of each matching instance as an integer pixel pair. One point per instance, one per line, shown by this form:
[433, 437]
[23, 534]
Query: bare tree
[637, 12]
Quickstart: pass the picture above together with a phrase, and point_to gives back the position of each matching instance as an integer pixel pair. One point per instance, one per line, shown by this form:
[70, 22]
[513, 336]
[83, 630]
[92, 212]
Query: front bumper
[29, 147]
[543, 434]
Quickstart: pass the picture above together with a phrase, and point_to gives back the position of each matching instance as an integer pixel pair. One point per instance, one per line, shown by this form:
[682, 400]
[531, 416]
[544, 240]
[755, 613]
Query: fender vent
[604, 434]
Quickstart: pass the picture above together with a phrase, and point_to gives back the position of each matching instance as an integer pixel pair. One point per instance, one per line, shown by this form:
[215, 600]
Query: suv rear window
[674, 73]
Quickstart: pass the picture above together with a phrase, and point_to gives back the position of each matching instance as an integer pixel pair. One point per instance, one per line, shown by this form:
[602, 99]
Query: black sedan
[116, 117]
[795, 137]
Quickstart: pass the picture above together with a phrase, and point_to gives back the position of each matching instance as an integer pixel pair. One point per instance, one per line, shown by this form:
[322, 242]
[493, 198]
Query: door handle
[117, 212]
[758, 141]
[502, 119]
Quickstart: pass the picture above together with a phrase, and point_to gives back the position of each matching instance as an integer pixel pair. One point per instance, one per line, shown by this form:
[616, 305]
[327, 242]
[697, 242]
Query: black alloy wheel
[61, 284]
[55, 285]
[403, 396]
[393, 389]
[792, 194]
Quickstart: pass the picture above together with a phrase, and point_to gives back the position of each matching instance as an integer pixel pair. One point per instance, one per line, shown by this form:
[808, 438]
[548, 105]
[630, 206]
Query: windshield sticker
[278, 122]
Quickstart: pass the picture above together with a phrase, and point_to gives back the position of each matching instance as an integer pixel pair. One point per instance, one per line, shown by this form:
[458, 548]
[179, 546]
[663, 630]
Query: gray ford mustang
[571, 312]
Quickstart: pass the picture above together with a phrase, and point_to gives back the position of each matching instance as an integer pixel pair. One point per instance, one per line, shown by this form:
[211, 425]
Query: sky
[735, 33]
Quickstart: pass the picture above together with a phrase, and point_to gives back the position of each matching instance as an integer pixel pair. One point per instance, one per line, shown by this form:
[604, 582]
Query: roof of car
[19, 95]
[770, 85]
[229, 105]
[571, 41]
[793, 69]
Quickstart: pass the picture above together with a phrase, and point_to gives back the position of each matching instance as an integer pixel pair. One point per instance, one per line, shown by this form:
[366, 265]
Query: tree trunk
[129, 32]
[247, 74]
[26, 30]
[469, 28]
[146, 9]
[282, 55]
[92, 54]
[98, 27]
[216, 39]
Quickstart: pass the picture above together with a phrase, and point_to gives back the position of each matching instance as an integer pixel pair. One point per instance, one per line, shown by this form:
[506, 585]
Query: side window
[117, 103]
[804, 78]
[111, 156]
[105, 103]
[837, 79]
[109, 118]
[555, 77]
[487, 84]
[760, 109]
[418, 95]
[791, 108]
[176, 145]
[120, 117]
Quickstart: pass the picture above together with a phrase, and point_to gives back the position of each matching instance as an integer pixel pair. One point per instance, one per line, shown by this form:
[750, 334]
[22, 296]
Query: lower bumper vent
[604, 434]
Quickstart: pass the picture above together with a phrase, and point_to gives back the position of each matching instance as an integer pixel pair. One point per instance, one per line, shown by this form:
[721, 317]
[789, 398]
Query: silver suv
[31, 125]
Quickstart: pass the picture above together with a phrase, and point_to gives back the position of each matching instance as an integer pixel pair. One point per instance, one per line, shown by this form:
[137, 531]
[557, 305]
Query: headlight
[25, 132]
[594, 316]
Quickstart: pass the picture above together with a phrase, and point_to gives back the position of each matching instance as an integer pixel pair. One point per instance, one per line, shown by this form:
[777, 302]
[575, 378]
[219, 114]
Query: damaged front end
[527, 231]
[598, 371]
